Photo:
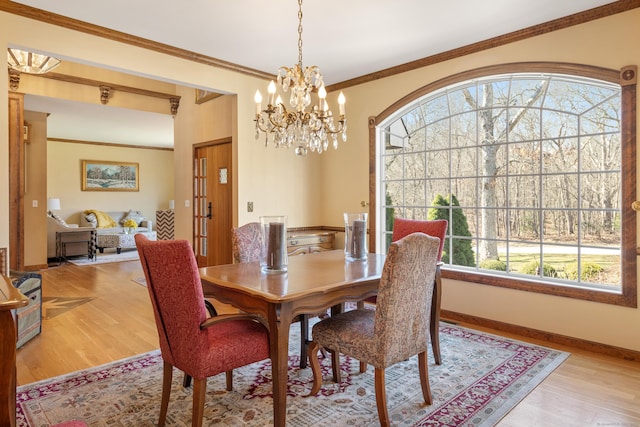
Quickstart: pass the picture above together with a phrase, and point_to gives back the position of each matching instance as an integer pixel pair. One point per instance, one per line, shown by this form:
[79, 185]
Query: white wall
[64, 163]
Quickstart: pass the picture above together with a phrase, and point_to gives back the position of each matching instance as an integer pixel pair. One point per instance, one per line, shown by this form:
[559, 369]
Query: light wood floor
[97, 314]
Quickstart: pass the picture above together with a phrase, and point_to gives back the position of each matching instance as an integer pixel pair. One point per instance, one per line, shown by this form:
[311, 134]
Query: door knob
[636, 205]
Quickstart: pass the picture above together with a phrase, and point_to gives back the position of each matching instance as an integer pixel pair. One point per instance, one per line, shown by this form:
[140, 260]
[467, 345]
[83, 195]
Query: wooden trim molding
[609, 350]
[112, 86]
[109, 144]
[106, 89]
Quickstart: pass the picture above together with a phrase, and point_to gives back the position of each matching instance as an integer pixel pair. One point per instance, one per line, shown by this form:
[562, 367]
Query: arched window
[531, 164]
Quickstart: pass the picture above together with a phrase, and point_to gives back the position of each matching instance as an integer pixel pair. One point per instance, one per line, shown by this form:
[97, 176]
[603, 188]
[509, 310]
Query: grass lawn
[610, 264]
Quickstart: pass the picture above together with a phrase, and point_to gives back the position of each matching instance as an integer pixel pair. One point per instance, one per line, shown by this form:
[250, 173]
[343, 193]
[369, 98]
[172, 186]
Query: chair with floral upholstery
[436, 228]
[396, 330]
[200, 346]
[246, 242]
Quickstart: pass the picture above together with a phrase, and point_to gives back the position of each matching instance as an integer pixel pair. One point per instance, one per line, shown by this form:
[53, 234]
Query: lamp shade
[53, 204]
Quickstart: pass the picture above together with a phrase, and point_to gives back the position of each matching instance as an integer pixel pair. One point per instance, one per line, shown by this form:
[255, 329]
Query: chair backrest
[176, 294]
[436, 228]
[403, 306]
[246, 242]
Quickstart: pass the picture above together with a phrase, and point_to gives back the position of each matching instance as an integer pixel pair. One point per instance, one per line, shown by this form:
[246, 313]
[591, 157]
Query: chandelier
[29, 62]
[306, 127]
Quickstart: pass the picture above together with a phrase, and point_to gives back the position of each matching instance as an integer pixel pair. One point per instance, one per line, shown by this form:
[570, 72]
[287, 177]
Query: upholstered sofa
[73, 232]
[117, 226]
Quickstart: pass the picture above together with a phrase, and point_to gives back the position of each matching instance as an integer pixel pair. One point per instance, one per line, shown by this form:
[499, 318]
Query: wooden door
[212, 204]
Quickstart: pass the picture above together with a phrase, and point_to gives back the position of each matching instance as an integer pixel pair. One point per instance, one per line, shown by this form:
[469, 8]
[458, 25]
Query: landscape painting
[100, 175]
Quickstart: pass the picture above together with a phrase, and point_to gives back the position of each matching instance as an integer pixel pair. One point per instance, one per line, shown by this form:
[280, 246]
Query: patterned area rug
[481, 379]
[108, 256]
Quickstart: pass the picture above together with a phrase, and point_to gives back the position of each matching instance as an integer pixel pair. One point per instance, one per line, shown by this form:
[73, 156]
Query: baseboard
[35, 267]
[578, 343]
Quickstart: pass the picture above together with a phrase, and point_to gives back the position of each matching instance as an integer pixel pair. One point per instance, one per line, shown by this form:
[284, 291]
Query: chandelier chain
[300, 33]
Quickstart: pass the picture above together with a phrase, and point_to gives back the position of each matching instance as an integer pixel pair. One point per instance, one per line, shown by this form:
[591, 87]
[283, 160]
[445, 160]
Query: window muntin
[552, 143]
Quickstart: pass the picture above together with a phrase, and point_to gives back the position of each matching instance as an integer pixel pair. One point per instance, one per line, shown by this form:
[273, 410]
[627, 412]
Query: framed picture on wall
[101, 175]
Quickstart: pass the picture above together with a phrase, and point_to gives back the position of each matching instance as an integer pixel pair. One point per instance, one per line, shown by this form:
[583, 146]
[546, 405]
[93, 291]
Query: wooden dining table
[313, 283]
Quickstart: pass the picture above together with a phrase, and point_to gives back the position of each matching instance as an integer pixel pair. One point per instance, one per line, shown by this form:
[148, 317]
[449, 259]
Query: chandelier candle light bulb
[305, 129]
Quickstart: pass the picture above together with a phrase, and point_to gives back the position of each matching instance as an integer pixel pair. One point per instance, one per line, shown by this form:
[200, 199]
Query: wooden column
[16, 181]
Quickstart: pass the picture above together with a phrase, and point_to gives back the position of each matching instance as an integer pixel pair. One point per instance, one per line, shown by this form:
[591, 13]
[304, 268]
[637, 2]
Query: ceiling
[346, 39]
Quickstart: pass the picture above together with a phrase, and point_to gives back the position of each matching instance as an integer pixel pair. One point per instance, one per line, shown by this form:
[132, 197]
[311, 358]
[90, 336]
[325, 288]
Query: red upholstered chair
[189, 340]
[396, 330]
[246, 244]
[436, 228]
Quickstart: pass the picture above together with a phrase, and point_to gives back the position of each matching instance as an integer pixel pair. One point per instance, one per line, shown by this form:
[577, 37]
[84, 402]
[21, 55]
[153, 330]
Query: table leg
[279, 346]
[434, 327]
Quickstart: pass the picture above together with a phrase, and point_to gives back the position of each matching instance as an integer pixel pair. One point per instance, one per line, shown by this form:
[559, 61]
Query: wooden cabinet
[308, 241]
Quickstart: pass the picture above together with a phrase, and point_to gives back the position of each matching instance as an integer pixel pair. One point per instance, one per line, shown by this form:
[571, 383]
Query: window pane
[525, 124]
[524, 191]
[560, 155]
[560, 191]
[525, 167]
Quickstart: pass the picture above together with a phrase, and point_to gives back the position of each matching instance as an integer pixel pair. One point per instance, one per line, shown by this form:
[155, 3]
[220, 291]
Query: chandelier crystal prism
[305, 126]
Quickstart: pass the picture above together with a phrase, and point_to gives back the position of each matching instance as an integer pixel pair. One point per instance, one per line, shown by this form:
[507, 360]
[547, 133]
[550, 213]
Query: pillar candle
[275, 245]
[359, 231]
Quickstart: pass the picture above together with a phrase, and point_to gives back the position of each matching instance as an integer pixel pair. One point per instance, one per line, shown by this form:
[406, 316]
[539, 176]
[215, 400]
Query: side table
[64, 238]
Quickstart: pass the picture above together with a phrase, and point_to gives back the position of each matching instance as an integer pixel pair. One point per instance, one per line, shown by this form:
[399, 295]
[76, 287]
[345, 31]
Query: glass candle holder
[355, 236]
[273, 254]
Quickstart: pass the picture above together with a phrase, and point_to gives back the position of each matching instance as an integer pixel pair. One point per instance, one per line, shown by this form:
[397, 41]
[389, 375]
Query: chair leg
[315, 368]
[199, 392]
[335, 366]
[229, 375]
[381, 398]
[186, 382]
[167, 376]
[424, 377]
[434, 327]
[363, 367]
[304, 340]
